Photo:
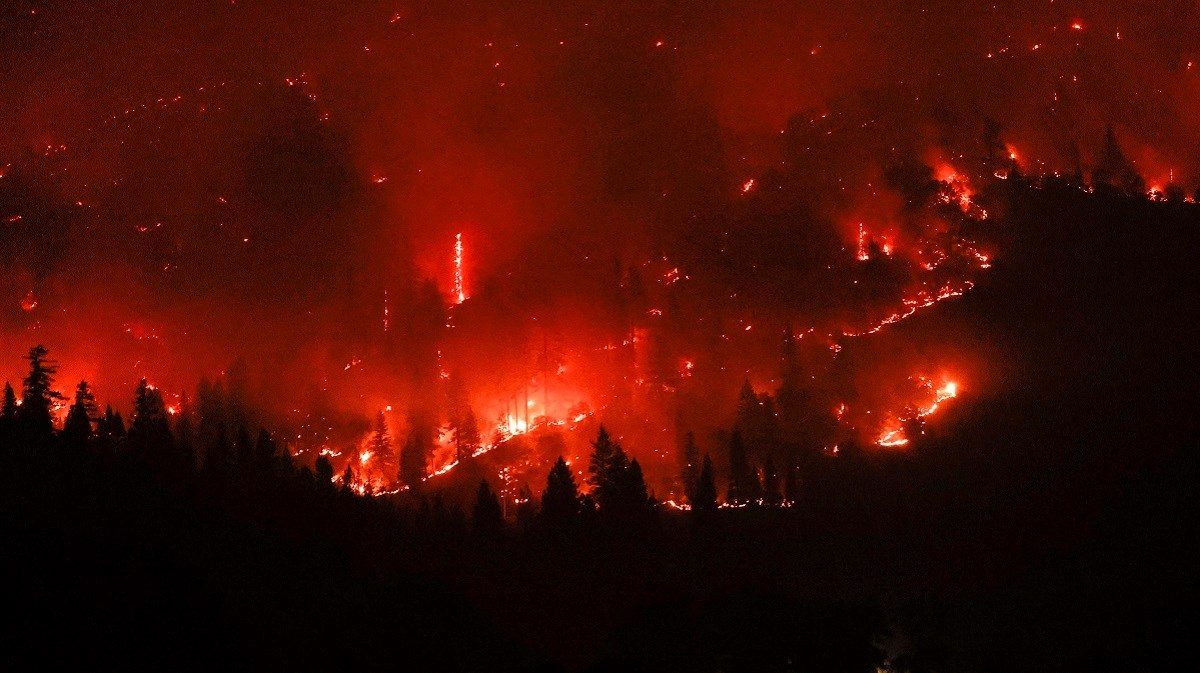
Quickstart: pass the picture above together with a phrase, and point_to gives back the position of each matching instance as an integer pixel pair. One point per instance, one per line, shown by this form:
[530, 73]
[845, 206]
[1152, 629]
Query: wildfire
[460, 294]
[893, 434]
[893, 438]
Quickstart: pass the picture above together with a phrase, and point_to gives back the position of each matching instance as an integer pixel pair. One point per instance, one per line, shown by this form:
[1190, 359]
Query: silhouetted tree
[705, 499]
[8, 417]
[218, 455]
[488, 516]
[1115, 170]
[149, 431]
[743, 482]
[383, 453]
[77, 429]
[38, 398]
[324, 473]
[607, 461]
[243, 448]
[264, 451]
[417, 448]
[461, 420]
[185, 432]
[618, 485]
[690, 471]
[629, 505]
[526, 508]
[756, 421]
[770, 484]
[110, 430]
[560, 500]
[791, 484]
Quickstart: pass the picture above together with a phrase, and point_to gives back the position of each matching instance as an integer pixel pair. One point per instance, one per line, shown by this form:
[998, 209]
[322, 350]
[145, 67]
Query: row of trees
[616, 491]
[617, 494]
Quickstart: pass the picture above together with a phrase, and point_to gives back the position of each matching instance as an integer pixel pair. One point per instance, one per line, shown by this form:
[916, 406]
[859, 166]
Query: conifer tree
[417, 448]
[526, 508]
[488, 515]
[770, 484]
[264, 450]
[690, 472]
[77, 429]
[740, 490]
[149, 431]
[38, 397]
[607, 461]
[383, 453]
[560, 500]
[706, 488]
[8, 417]
[324, 473]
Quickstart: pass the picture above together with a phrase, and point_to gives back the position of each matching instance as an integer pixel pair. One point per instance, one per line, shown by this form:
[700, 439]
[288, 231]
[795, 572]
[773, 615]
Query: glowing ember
[893, 438]
[29, 302]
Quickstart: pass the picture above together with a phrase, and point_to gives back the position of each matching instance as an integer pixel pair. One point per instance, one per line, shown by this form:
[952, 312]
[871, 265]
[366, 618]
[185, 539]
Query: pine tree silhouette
[488, 516]
[706, 488]
[560, 500]
[690, 472]
[149, 432]
[8, 419]
[38, 398]
[77, 429]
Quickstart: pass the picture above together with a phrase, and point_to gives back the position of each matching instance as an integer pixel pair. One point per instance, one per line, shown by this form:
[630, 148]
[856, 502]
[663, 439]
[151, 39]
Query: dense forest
[1047, 527]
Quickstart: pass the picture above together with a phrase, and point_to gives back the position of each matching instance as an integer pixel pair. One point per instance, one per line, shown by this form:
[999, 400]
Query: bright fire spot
[893, 438]
[29, 302]
[862, 255]
[1078, 25]
[747, 185]
[460, 293]
[172, 409]
[893, 435]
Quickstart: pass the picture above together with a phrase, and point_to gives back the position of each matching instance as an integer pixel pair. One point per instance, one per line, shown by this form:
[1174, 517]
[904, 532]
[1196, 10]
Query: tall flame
[460, 294]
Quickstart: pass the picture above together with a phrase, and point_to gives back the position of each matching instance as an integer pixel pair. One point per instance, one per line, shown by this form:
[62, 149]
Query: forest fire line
[955, 190]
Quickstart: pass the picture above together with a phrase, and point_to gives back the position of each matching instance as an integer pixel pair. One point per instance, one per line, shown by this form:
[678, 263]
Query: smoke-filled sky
[186, 183]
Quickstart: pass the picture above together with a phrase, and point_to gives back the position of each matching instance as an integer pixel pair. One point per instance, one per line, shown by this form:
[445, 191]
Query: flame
[460, 294]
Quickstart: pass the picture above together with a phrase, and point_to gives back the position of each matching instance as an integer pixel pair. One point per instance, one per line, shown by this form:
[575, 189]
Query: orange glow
[29, 302]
